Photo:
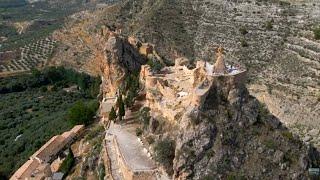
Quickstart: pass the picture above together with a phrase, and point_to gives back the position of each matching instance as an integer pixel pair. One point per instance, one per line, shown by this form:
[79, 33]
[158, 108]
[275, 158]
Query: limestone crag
[121, 59]
[274, 39]
[220, 130]
[87, 45]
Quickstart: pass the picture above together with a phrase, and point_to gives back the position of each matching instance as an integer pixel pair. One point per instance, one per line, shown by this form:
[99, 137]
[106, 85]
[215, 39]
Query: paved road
[132, 149]
[116, 174]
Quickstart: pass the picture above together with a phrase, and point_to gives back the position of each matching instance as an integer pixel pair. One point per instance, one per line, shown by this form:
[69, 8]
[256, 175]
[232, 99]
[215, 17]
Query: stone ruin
[177, 89]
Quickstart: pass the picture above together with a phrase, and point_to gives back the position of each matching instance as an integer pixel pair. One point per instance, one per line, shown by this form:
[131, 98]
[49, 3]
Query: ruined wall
[226, 85]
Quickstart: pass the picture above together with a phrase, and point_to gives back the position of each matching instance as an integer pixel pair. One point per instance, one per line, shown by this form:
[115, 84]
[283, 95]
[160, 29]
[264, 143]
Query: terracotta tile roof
[54, 145]
[25, 170]
[38, 161]
[77, 129]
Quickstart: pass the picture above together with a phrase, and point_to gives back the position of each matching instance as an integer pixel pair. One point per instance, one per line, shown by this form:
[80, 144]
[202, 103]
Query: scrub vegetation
[35, 107]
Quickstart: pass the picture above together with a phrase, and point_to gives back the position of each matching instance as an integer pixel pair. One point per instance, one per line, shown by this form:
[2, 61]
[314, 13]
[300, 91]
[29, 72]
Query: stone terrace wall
[127, 172]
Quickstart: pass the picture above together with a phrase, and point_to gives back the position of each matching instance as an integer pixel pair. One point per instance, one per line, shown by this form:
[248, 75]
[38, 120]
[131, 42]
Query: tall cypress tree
[112, 114]
[121, 111]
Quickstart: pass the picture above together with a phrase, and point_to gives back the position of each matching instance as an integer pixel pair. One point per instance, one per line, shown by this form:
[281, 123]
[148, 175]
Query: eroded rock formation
[96, 49]
[220, 130]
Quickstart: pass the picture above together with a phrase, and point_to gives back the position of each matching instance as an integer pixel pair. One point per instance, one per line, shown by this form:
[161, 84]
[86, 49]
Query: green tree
[67, 163]
[129, 101]
[316, 33]
[82, 81]
[164, 152]
[112, 114]
[80, 113]
[93, 106]
[35, 73]
[94, 89]
[120, 104]
[155, 65]
[144, 117]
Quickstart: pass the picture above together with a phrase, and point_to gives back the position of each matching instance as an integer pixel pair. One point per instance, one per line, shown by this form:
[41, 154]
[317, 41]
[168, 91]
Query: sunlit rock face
[120, 59]
[274, 39]
[219, 129]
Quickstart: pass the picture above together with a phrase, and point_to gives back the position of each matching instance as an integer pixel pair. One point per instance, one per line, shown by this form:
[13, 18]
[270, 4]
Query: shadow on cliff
[233, 135]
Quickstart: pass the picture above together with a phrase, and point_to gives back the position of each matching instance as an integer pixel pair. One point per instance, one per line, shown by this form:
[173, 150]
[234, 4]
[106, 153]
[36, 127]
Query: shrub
[270, 144]
[316, 33]
[263, 113]
[81, 113]
[102, 171]
[96, 131]
[155, 65]
[243, 30]
[164, 152]
[150, 140]
[145, 116]
[234, 176]
[269, 25]
[67, 163]
[208, 177]
[43, 89]
[139, 132]
[244, 43]
[112, 114]
[129, 100]
[288, 135]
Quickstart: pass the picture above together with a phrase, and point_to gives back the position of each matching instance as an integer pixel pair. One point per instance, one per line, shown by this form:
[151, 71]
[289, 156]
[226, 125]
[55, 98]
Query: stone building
[174, 90]
[38, 166]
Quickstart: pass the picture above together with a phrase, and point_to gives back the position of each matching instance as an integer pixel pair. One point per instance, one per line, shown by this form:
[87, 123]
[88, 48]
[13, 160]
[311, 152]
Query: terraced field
[31, 56]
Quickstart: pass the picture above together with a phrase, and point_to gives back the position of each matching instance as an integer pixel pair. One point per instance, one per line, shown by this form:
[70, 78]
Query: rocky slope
[224, 133]
[87, 45]
[273, 39]
[233, 136]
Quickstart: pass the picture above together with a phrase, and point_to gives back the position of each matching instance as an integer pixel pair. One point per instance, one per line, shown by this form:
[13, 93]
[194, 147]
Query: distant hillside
[12, 3]
[45, 16]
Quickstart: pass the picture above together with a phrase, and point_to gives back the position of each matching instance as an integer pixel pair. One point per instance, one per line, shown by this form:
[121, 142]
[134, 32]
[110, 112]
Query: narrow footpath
[115, 170]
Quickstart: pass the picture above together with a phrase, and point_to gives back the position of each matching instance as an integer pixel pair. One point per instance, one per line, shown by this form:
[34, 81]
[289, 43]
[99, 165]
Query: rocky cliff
[273, 39]
[88, 45]
[238, 138]
[233, 136]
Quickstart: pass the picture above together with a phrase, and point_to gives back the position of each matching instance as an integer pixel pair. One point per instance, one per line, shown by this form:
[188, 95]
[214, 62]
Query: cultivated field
[31, 56]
